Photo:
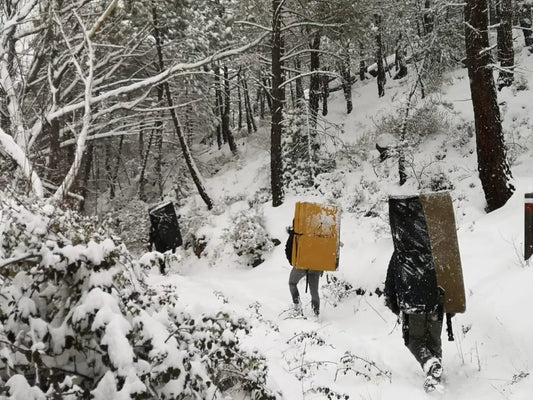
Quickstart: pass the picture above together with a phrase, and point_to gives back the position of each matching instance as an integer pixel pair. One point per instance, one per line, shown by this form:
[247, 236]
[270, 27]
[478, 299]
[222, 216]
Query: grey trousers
[313, 279]
[422, 336]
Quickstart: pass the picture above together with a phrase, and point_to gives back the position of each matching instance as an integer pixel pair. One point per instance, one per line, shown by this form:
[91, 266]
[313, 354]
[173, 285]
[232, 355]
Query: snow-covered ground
[356, 348]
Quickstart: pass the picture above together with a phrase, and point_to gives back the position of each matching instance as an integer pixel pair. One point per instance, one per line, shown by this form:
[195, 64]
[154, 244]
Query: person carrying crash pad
[312, 248]
[424, 277]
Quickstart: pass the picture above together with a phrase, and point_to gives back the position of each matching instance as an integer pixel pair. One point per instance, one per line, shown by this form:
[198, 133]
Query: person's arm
[391, 296]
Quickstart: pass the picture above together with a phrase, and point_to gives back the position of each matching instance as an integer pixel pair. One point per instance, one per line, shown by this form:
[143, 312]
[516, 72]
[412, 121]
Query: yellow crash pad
[316, 237]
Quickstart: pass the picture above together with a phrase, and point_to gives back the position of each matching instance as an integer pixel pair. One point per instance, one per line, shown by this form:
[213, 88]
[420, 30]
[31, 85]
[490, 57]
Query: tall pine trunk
[381, 78]
[278, 98]
[314, 85]
[494, 171]
[346, 82]
[226, 130]
[219, 106]
[325, 93]
[525, 23]
[505, 43]
[189, 161]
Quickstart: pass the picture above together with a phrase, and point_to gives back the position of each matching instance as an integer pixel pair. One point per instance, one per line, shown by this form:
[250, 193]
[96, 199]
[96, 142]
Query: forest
[233, 111]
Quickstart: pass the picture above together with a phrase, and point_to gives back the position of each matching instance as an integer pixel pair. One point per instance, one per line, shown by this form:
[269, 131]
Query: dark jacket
[411, 283]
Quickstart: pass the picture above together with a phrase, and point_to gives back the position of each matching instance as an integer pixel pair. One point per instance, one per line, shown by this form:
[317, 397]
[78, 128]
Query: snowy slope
[356, 348]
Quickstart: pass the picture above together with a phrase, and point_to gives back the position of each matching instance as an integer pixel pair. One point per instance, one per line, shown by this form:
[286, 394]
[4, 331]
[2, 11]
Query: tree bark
[346, 83]
[525, 24]
[219, 108]
[114, 172]
[428, 18]
[239, 99]
[250, 121]
[401, 65]
[144, 158]
[362, 70]
[494, 171]
[325, 93]
[159, 124]
[381, 78]
[505, 43]
[314, 85]
[226, 130]
[191, 165]
[299, 80]
[278, 98]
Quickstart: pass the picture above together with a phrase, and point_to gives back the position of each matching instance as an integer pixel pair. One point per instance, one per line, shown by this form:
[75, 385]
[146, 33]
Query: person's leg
[314, 279]
[294, 278]
[416, 341]
[434, 342]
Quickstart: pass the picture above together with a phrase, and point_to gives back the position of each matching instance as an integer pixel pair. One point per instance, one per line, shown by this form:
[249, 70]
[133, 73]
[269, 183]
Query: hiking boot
[433, 368]
[431, 384]
[297, 310]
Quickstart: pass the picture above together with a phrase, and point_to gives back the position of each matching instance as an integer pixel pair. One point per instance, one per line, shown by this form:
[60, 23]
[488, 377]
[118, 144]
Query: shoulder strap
[449, 328]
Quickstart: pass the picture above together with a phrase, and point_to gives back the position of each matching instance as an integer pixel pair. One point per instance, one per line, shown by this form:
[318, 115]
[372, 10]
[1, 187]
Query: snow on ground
[356, 348]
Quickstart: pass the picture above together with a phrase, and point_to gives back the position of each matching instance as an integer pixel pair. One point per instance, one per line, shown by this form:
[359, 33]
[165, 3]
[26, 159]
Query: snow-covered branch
[13, 150]
[308, 74]
[156, 79]
[81, 140]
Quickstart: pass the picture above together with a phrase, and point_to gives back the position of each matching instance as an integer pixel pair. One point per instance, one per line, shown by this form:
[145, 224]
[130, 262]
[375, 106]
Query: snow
[356, 347]
[492, 355]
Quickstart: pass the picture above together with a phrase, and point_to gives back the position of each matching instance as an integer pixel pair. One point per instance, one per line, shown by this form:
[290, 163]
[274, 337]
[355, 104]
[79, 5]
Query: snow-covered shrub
[332, 185]
[336, 290]
[249, 237]
[297, 151]
[78, 321]
[520, 83]
[303, 155]
[439, 182]
[133, 223]
[426, 120]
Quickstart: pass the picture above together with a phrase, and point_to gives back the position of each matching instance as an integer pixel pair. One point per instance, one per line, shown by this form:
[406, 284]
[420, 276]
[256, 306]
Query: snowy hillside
[356, 350]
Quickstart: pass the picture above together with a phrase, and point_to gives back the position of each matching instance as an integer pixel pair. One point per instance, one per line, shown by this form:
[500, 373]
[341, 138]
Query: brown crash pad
[316, 237]
[440, 218]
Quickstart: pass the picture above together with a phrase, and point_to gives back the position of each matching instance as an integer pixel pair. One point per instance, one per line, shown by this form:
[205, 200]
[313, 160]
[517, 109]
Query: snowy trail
[492, 355]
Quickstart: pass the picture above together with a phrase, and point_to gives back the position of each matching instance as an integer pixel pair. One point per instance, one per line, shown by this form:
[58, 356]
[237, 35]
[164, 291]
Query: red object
[528, 206]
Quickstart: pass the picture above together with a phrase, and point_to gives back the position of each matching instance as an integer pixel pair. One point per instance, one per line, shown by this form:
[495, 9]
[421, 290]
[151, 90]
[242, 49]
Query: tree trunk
[142, 180]
[505, 44]
[278, 98]
[362, 70]
[267, 84]
[525, 24]
[193, 170]
[299, 80]
[239, 99]
[261, 99]
[54, 158]
[347, 83]
[219, 105]
[325, 93]
[428, 18]
[86, 172]
[401, 65]
[114, 172]
[250, 121]
[226, 130]
[494, 171]
[314, 85]
[381, 78]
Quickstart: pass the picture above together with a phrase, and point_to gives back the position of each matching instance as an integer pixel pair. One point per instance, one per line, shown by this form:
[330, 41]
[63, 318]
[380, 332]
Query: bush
[79, 321]
[424, 121]
[249, 238]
